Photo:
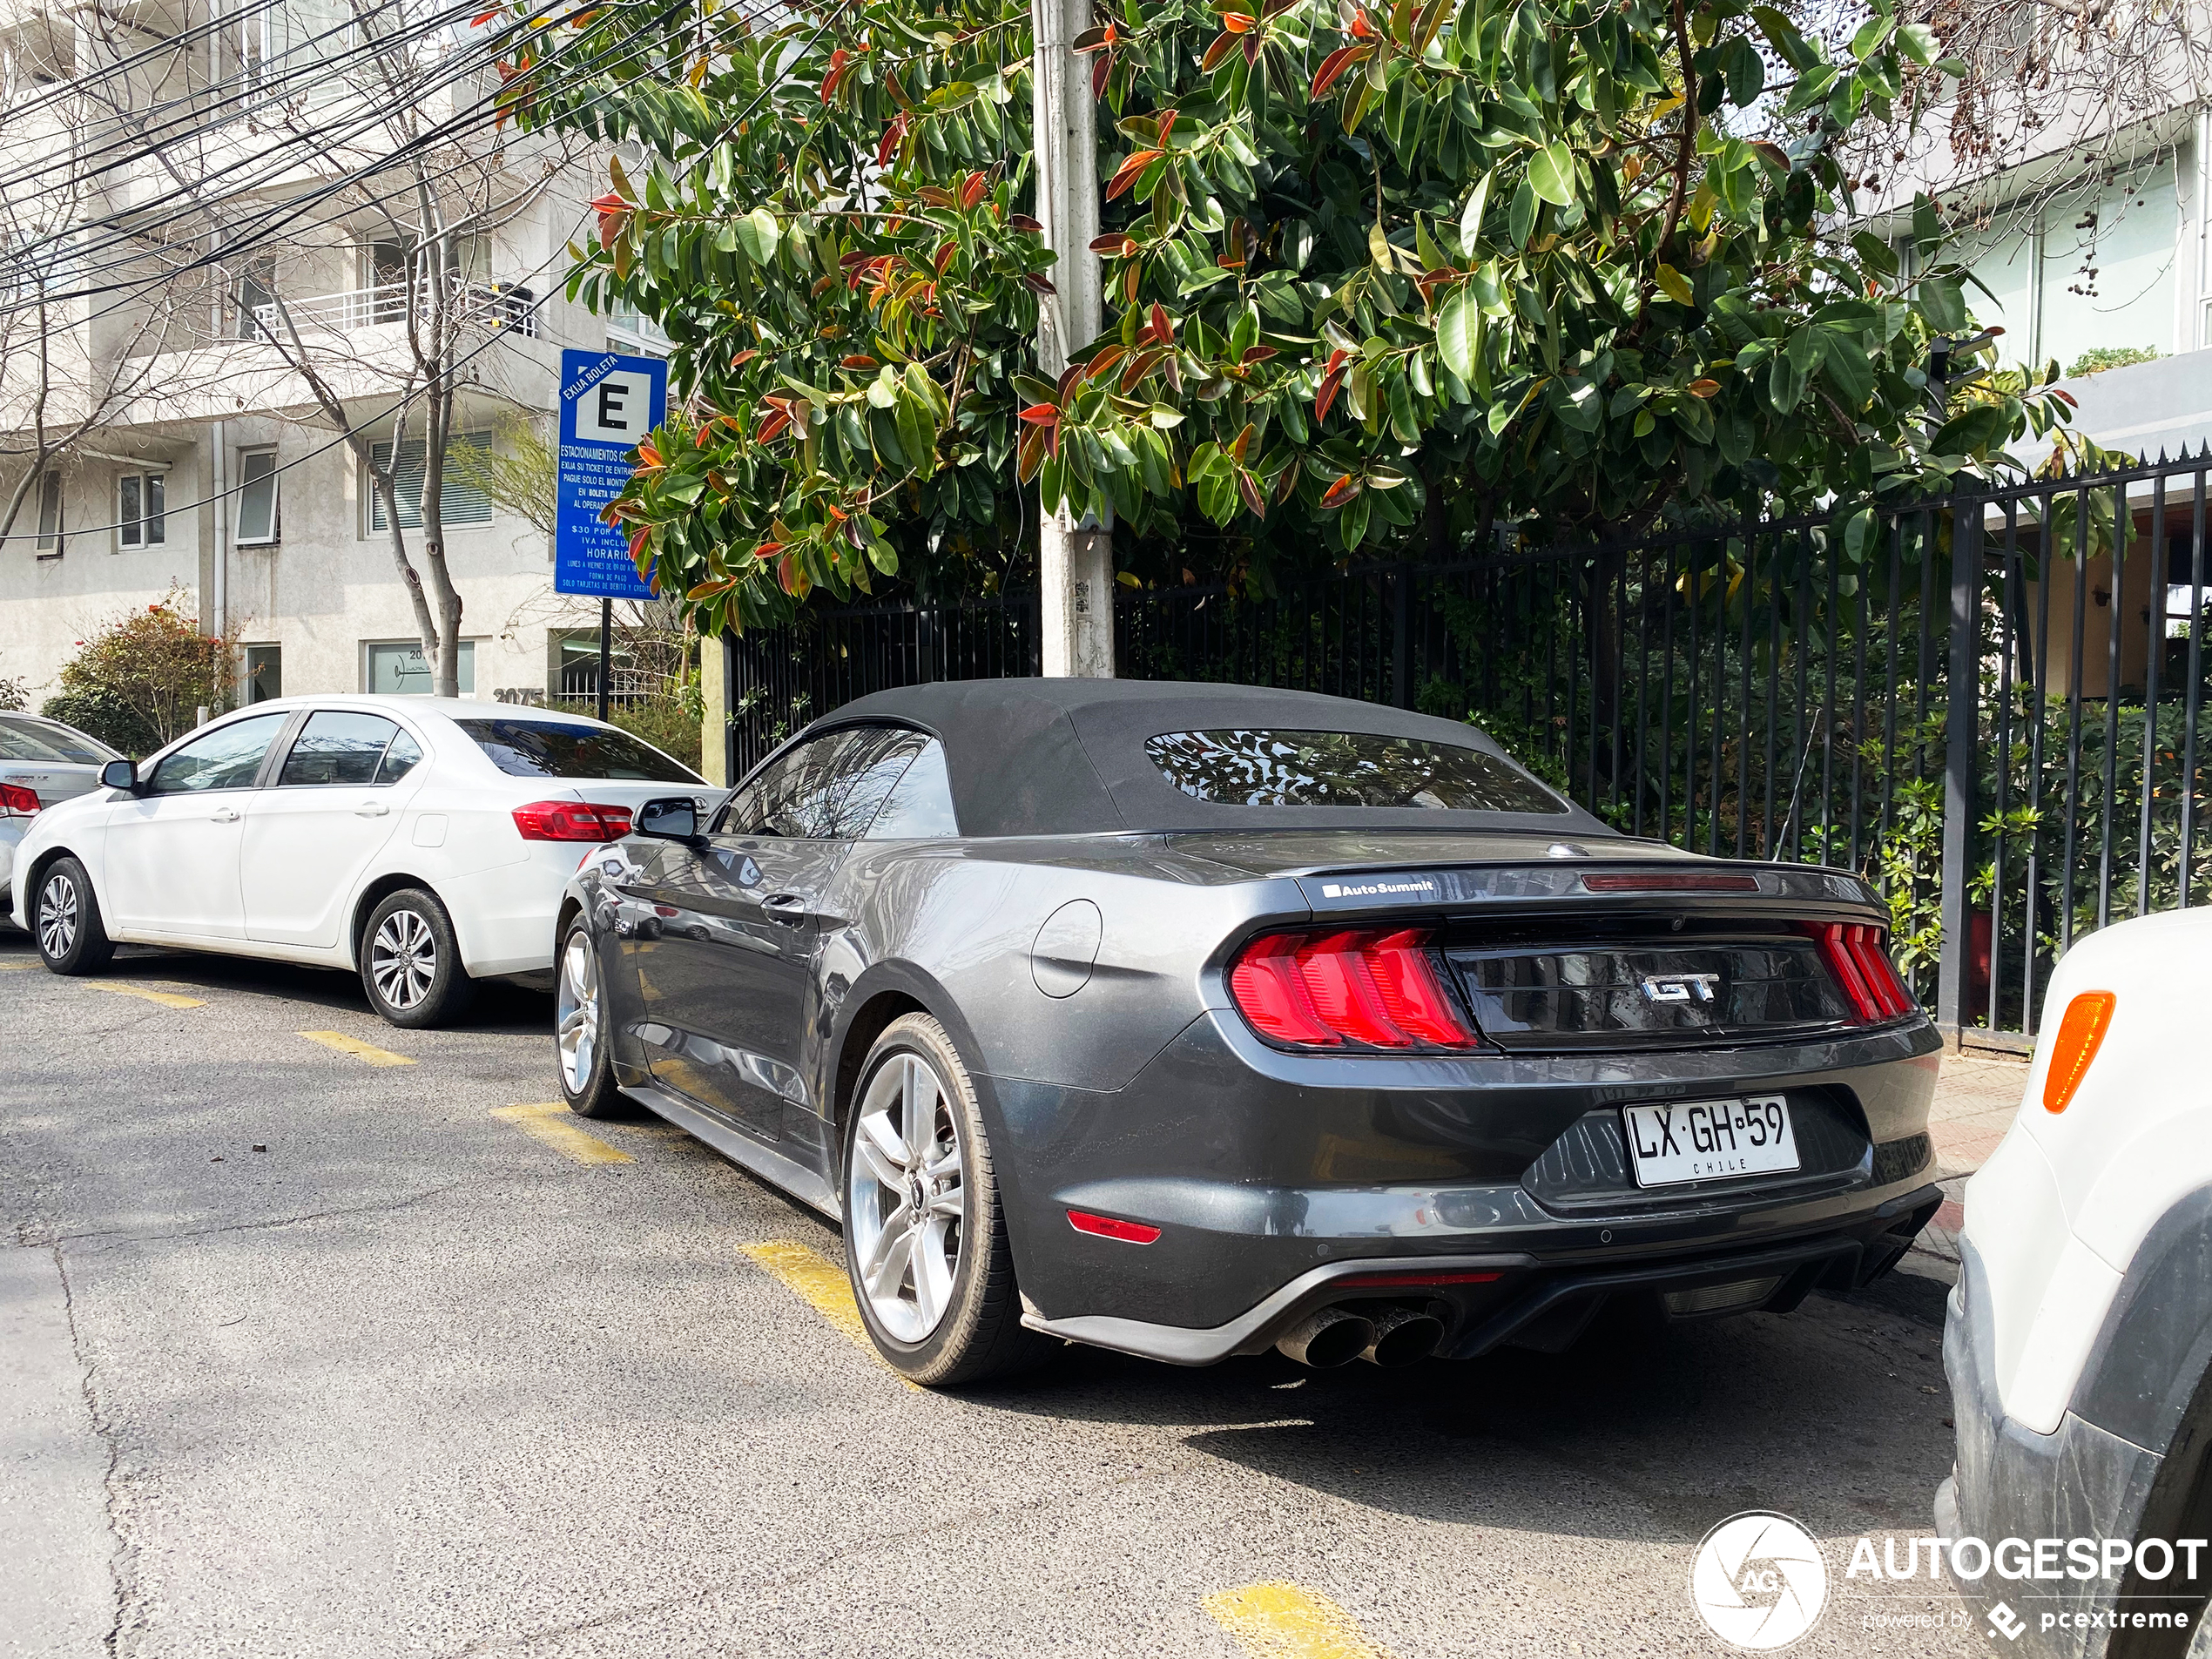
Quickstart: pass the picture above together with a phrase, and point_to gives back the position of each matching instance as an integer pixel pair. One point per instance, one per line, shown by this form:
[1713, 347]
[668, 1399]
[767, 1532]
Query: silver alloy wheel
[575, 1008]
[58, 916]
[404, 959]
[906, 1210]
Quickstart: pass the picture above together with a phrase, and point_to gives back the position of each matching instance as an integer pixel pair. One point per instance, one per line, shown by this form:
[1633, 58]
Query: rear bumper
[1519, 1299]
[503, 916]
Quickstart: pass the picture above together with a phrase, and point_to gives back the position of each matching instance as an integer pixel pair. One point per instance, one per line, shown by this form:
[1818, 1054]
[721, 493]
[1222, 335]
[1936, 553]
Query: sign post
[608, 403]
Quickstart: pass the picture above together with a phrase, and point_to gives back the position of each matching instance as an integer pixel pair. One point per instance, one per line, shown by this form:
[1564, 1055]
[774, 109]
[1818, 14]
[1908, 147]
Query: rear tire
[924, 1236]
[410, 962]
[65, 921]
[580, 1029]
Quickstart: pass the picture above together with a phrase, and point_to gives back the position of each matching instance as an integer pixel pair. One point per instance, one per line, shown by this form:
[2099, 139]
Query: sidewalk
[1975, 1098]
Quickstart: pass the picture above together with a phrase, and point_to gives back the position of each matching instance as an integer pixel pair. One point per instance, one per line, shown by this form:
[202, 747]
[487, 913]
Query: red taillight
[1371, 987]
[571, 821]
[18, 800]
[1857, 954]
[1129, 1233]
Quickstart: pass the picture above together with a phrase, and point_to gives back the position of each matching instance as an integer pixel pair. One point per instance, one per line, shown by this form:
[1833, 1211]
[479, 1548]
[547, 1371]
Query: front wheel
[411, 962]
[580, 1029]
[65, 921]
[925, 1237]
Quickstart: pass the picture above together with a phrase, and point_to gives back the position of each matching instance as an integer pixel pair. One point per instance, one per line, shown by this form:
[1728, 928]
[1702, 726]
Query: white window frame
[372, 505]
[53, 529]
[370, 647]
[132, 530]
[275, 477]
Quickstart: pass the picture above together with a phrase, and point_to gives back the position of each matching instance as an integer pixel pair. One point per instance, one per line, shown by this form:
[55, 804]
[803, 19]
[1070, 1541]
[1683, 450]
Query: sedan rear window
[22, 740]
[1237, 768]
[551, 749]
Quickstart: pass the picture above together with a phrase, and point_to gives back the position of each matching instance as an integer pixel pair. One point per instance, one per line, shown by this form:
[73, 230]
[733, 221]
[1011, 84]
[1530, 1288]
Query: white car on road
[2079, 1343]
[424, 843]
[42, 763]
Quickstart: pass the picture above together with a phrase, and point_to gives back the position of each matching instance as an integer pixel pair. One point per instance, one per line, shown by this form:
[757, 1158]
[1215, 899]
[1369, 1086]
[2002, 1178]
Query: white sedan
[423, 842]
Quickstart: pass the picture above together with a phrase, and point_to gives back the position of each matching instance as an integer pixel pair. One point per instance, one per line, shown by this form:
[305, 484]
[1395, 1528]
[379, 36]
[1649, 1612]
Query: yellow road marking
[11, 967]
[1278, 1621]
[355, 1046]
[166, 999]
[553, 1124]
[820, 1284]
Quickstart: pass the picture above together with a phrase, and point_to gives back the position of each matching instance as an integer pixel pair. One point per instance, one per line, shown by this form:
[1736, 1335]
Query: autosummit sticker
[1398, 887]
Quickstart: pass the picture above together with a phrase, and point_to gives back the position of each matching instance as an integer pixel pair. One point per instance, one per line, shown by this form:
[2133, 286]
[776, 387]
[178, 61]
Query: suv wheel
[411, 962]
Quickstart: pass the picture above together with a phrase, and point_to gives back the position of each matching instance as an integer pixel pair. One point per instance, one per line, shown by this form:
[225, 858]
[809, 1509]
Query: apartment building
[252, 251]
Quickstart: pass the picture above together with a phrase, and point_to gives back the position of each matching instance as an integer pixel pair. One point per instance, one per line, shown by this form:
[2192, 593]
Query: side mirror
[674, 818]
[118, 774]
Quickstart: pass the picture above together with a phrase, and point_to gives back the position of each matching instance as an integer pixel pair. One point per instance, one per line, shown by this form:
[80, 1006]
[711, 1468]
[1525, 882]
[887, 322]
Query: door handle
[371, 809]
[223, 815]
[790, 908]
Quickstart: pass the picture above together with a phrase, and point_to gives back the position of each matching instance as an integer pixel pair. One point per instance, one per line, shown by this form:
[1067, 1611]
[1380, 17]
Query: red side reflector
[1129, 1233]
[1372, 987]
[1410, 1281]
[1672, 881]
[571, 821]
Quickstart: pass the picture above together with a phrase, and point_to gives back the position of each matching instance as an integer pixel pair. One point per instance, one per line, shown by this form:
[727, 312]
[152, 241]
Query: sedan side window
[920, 807]
[399, 759]
[338, 746]
[226, 758]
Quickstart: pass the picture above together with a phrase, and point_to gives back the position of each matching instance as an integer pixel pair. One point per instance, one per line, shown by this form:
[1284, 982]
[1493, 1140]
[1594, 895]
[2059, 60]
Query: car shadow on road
[501, 1007]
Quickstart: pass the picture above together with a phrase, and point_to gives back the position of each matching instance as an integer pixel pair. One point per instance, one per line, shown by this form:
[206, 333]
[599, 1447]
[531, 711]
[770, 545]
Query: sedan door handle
[371, 809]
[790, 908]
[223, 815]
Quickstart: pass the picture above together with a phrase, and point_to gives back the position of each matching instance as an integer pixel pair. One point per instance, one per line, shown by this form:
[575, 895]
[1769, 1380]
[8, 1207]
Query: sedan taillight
[571, 821]
[1857, 954]
[1362, 988]
[19, 800]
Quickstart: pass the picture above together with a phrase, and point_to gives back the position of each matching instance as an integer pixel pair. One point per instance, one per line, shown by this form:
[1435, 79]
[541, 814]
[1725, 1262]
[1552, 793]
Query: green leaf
[1522, 217]
[1918, 43]
[1471, 215]
[1675, 286]
[1849, 369]
[1459, 331]
[1942, 304]
[1551, 173]
[1871, 35]
[757, 233]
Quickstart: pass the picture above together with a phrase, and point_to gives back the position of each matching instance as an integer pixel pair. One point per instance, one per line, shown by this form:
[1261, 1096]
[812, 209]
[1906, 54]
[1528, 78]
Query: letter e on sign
[617, 409]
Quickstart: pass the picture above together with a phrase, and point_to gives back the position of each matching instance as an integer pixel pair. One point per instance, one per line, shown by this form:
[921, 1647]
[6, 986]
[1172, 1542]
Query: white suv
[2080, 1340]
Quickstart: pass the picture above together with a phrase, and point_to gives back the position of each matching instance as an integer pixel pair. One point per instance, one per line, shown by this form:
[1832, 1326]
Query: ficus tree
[1401, 270]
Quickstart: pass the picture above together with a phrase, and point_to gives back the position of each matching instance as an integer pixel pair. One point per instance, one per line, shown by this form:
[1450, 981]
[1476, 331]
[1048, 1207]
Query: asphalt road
[431, 1377]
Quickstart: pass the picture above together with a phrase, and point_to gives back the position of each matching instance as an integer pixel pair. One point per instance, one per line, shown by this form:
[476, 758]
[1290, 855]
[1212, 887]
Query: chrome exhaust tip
[1328, 1337]
[1403, 1337]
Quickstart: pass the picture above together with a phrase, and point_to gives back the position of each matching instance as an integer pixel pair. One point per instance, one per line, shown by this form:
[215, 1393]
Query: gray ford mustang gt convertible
[1191, 1020]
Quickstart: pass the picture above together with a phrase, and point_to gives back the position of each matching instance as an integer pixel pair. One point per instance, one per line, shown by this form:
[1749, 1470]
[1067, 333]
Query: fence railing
[496, 305]
[1781, 688]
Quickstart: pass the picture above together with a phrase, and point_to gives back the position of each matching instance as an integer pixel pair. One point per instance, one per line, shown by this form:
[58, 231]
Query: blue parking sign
[608, 402]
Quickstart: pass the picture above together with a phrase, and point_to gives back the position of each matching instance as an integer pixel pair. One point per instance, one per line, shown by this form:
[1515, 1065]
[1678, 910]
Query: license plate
[1710, 1140]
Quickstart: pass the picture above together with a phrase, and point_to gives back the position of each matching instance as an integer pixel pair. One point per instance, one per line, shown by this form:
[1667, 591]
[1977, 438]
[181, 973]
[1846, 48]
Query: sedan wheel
[580, 1032]
[65, 921]
[906, 1204]
[925, 1235]
[411, 962]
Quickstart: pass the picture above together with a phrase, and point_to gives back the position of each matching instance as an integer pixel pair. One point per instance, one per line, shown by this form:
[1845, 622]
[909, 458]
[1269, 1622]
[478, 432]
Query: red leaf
[648, 457]
[1041, 414]
[1105, 361]
[1335, 359]
[858, 359]
[483, 18]
[1330, 384]
[609, 203]
[1125, 175]
[1341, 491]
[971, 193]
[1099, 71]
[1257, 355]
[1335, 65]
[1023, 222]
[1248, 487]
[1111, 244]
[772, 427]
[1094, 40]
[1042, 284]
[1237, 22]
[1252, 49]
[1218, 54]
[1361, 29]
[1032, 454]
[1161, 330]
[894, 136]
[743, 358]
[1167, 126]
[945, 256]
[1244, 440]
[1070, 377]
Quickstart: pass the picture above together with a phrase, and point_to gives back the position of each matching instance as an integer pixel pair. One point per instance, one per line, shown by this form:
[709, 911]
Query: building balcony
[492, 305]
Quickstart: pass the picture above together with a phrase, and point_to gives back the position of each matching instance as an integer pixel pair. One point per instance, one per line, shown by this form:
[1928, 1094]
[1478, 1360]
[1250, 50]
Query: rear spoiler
[1591, 883]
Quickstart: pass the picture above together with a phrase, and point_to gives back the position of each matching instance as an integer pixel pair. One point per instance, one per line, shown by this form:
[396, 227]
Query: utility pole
[1076, 557]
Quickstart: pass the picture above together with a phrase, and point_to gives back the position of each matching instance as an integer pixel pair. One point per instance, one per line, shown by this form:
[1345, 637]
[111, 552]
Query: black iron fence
[1783, 688]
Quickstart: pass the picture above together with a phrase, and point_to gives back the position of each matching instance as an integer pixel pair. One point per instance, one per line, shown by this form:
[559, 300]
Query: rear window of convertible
[545, 748]
[1342, 769]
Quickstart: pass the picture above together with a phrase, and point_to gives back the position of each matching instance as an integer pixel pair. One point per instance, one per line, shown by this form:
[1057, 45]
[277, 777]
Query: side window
[226, 758]
[874, 767]
[337, 746]
[795, 796]
[399, 759]
[919, 806]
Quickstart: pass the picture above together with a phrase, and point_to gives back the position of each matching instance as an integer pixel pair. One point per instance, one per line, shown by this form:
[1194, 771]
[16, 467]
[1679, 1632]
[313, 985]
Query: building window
[400, 669]
[140, 511]
[632, 331]
[256, 300]
[50, 517]
[260, 518]
[264, 672]
[464, 502]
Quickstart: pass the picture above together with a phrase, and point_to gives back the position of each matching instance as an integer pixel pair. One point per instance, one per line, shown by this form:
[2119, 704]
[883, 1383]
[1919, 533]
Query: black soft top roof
[1065, 757]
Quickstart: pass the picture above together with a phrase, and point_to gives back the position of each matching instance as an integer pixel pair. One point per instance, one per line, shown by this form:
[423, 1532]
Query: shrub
[2098, 358]
[144, 676]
